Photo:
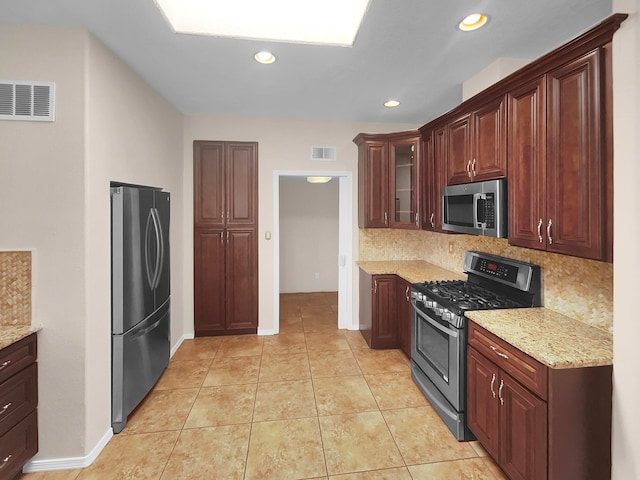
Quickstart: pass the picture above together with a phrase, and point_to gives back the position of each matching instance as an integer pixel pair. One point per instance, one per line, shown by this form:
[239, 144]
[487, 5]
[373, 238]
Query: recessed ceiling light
[318, 179]
[327, 22]
[264, 57]
[472, 22]
[391, 103]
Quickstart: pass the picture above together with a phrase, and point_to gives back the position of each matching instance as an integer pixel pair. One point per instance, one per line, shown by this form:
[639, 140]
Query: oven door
[437, 348]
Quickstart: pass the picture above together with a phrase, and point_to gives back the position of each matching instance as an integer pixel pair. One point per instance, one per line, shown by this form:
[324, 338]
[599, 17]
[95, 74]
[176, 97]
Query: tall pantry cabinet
[225, 237]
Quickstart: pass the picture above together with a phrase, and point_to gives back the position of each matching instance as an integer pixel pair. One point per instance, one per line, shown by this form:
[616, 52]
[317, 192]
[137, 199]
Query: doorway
[344, 260]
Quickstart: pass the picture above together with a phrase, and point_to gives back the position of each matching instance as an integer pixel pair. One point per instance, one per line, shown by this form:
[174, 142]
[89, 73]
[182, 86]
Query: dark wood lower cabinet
[537, 422]
[225, 282]
[378, 310]
[403, 299]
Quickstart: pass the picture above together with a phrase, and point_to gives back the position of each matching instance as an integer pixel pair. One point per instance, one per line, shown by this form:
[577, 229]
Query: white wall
[626, 326]
[42, 207]
[308, 235]
[133, 136]
[492, 73]
[54, 197]
[283, 144]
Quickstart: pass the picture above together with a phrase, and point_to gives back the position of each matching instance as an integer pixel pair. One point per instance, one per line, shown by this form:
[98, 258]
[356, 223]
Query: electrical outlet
[450, 247]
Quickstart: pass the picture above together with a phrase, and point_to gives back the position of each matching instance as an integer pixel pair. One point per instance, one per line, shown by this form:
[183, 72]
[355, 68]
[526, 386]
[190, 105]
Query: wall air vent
[23, 100]
[326, 154]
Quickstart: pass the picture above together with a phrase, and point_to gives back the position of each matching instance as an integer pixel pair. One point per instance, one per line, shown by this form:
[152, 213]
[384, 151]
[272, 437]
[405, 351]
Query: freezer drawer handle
[144, 331]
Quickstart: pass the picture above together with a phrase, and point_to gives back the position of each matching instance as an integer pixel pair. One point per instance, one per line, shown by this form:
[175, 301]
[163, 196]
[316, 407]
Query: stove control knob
[439, 311]
[446, 315]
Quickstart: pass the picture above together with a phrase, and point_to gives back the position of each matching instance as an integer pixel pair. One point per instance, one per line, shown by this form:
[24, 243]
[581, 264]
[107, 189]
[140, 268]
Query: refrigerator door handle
[147, 232]
[159, 247]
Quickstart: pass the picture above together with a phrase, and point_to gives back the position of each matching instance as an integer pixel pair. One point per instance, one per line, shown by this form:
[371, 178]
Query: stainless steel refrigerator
[140, 295]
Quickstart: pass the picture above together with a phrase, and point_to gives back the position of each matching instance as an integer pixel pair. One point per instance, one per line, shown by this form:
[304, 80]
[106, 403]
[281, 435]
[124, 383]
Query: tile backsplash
[576, 287]
[15, 288]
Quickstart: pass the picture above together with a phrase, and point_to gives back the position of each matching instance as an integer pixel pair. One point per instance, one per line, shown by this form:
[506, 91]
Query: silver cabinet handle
[539, 230]
[222, 237]
[5, 461]
[5, 364]
[227, 236]
[417, 220]
[433, 224]
[473, 167]
[500, 392]
[493, 380]
[386, 218]
[5, 408]
[375, 286]
[406, 294]
[469, 168]
[500, 354]
[549, 232]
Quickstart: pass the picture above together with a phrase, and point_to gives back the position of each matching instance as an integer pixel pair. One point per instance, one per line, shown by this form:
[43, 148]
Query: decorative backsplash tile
[576, 287]
[15, 288]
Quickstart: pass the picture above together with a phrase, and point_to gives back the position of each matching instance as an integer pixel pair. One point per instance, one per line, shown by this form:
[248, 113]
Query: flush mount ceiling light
[391, 103]
[264, 57]
[472, 22]
[318, 179]
[328, 22]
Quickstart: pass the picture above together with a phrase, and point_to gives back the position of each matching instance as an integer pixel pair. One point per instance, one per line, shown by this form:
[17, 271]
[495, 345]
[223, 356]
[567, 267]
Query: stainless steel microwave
[478, 208]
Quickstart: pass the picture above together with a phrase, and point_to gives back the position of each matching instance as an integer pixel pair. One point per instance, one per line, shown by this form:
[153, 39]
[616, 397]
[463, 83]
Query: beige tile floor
[313, 402]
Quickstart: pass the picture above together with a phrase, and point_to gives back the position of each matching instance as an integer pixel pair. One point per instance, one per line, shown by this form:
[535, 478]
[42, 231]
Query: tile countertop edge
[413, 271]
[551, 338]
[10, 334]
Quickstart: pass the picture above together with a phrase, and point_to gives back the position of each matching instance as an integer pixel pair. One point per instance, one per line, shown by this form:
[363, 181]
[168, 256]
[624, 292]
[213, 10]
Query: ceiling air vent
[327, 154]
[32, 101]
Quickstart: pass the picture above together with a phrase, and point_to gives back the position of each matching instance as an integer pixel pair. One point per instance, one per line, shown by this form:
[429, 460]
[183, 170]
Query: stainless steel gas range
[439, 326]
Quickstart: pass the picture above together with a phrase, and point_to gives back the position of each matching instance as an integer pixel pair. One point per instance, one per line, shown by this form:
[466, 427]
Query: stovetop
[461, 295]
[492, 283]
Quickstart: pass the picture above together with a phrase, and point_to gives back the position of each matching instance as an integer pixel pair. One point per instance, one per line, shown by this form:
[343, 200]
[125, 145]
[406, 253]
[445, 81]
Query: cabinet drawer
[18, 445]
[18, 397]
[17, 356]
[519, 365]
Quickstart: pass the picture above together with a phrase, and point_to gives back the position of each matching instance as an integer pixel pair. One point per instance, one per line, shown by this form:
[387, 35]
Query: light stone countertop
[553, 339]
[12, 334]
[414, 271]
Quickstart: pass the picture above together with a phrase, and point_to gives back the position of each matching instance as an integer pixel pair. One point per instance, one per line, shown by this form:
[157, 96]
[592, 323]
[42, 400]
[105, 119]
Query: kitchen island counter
[551, 338]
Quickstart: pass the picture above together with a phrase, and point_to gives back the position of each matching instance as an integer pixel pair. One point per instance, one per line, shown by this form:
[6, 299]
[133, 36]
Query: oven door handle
[448, 331]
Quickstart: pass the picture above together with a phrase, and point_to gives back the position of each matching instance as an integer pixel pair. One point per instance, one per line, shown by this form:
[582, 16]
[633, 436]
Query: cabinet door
[376, 185]
[527, 157]
[241, 184]
[366, 305]
[459, 151]
[482, 401]
[576, 189]
[241, 280]
[403, 299]
[489, 145]
[523, 431]
[403, 178]
[384, 332]
[209, 184]
[209, 281]
[433, 177]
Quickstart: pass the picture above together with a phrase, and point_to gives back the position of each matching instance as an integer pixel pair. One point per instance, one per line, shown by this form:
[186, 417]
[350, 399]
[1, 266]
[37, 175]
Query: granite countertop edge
[553, 339]
[10, 334]
[413, 271]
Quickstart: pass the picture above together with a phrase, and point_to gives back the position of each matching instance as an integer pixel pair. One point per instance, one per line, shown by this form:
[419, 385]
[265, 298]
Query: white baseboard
[69, 463]
[185, 336]
[264, 331]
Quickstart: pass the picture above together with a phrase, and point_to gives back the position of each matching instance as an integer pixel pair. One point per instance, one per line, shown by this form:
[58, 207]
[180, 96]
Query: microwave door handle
[477, 198]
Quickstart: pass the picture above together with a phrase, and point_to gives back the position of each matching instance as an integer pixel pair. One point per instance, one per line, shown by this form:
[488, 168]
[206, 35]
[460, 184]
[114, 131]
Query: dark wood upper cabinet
[477, 144]
[388, 182]
[576, 190]
[433, 173]
[558, 163]
[526, 135]
[225, 237]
